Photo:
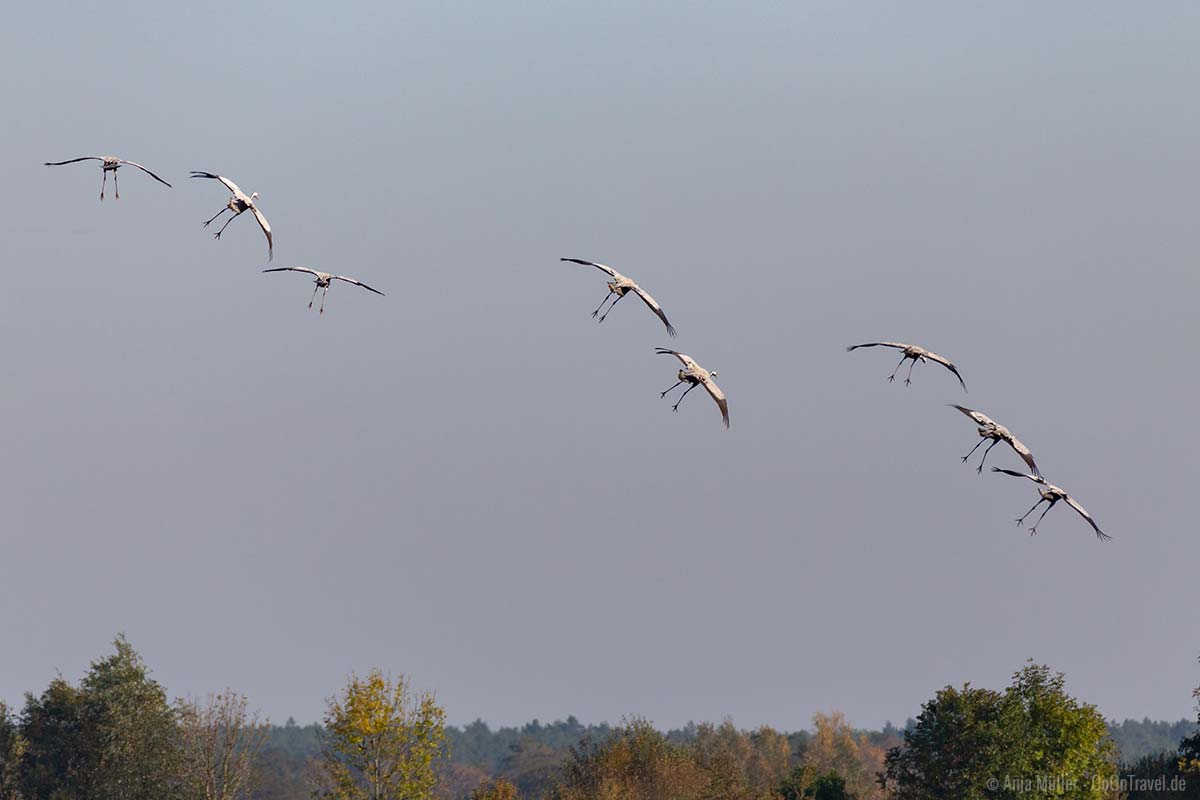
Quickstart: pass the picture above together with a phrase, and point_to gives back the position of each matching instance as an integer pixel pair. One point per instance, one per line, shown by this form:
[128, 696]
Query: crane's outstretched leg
[973, 449]
[908, 380]
[602, 302]
[1033, 530]
[226, 225]
[979, 469]
[103, 181]
[322, 311]
[116, 189]
[676, 406]
[1021, 518]
[892, 377]
[214, 216]
[610, 308]
[314, 297]
[664, 394]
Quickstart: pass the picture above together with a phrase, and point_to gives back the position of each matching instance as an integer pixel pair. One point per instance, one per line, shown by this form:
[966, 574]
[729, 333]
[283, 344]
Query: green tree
[12, 753]
[1159, 777]
[380, 741]
[803, 783]
[1031, 741]
[794, 786]
[113, 738]
[59, 754]
[132, 726]
[830, 786]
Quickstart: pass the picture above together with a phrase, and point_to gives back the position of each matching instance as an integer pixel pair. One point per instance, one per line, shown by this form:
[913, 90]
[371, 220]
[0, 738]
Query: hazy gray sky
[471, 482]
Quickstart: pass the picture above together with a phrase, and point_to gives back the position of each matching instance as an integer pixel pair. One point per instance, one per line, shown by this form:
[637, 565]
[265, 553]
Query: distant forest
[478, 745]
[530, 755]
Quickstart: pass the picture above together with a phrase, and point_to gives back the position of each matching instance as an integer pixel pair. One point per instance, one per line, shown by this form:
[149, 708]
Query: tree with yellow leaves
[835, 747]
[380, 741]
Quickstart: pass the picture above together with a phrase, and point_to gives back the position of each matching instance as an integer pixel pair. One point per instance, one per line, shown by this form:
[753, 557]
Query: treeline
[1137, 739]
[526, 754]
[115, 736]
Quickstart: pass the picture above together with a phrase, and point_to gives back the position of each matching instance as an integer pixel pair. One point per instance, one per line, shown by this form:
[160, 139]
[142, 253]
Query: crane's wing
[897, 345]
[230, 185]
[348, 279]
[143, 169]
[687, 360]
[1015, 474]
[1025, 455]
[607, 269]
[266, 227]
[946, 363]
[1101, 535]
[719, 396]
[71, 161]
[978, 416]
[312, 272]
[654, 306]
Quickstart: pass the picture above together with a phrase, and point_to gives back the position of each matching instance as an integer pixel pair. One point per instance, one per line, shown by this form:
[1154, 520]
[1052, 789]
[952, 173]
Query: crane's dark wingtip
[671, 331]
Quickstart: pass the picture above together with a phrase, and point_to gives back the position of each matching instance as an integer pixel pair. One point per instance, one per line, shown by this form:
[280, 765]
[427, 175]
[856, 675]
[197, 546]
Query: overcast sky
[471, 482]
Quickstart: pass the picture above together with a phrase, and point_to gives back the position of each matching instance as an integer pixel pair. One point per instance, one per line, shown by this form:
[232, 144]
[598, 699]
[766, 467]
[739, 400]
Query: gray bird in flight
[990, 429]
[238, 202]
[620, 285]
[911, 351]
[109, 164]
[696, 375]
[1052, 494]
[323, 279]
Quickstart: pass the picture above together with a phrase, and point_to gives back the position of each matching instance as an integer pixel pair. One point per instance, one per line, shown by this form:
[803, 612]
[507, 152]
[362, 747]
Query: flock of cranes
[990, 429]
[238, 203]
[691, 373]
